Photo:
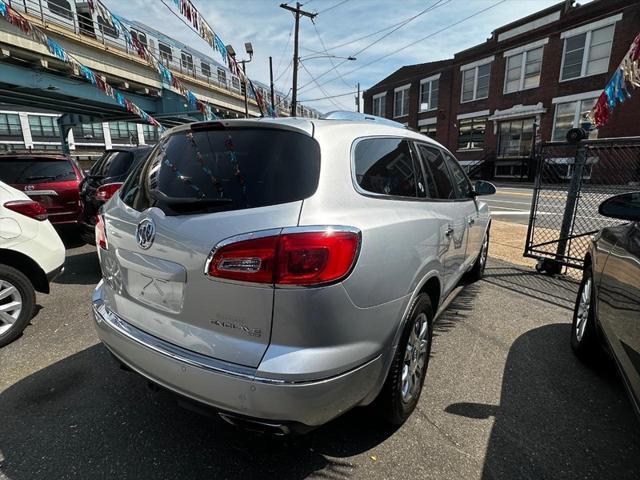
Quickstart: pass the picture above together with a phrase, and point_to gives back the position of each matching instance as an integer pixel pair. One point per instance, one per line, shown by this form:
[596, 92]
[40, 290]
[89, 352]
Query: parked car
[607, 311]
[103, 180]
[284, 271]
[31, 256]
[50, 179]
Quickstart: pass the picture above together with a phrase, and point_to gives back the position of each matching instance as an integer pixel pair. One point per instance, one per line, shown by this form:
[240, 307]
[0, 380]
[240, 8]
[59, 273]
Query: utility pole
[246, 93]
[294, 89]
[358, 98]
[273, 100]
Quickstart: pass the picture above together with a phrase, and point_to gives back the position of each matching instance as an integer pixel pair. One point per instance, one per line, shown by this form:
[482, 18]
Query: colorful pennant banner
[144, 53]
[617, 90]
[190, 12]
[15, 18]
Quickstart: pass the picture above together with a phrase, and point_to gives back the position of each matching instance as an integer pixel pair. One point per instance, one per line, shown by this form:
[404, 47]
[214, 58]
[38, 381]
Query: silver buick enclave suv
[284, 271]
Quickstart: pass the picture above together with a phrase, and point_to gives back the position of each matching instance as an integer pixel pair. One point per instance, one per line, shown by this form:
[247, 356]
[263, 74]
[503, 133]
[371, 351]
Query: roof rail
[360, 117]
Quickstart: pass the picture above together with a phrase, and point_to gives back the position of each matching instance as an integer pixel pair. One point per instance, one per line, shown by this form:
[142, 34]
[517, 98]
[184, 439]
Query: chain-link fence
[571, 182]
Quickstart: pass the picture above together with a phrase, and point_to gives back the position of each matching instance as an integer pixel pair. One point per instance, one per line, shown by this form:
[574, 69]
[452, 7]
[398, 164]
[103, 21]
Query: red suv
[50, 179]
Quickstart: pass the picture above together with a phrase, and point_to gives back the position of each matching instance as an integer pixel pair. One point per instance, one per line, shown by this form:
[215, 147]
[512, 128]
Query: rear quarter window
[243, 167]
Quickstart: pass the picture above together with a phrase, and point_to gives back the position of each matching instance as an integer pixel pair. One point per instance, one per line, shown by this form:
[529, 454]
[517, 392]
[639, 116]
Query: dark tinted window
[18, 171]
[113, 164]
[435, 166]
[459, 177]
[385, 166]
[244, 168]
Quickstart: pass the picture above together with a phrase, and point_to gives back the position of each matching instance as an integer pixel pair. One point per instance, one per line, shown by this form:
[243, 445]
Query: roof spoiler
[360, 117]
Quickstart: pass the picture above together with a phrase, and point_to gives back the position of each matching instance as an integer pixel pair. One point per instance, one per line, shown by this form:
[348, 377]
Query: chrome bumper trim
[111, 319]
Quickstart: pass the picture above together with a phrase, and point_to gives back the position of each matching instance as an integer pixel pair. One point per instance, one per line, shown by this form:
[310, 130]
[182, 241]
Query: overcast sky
[270, 28]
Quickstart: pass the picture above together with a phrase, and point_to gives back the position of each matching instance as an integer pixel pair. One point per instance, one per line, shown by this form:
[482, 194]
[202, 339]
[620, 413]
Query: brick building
[538, 74]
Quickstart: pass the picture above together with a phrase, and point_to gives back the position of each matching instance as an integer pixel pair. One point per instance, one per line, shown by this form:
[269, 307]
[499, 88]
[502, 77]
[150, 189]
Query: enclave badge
[145, 233]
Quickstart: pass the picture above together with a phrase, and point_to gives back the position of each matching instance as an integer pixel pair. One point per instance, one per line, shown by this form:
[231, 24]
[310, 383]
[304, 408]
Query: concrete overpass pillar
[26, 130]
[107, 135]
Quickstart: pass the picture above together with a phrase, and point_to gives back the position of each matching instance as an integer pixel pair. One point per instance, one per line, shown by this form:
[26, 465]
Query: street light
[232, 53]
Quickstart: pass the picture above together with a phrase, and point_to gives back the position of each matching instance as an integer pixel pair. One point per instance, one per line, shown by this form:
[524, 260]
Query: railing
[78, 19]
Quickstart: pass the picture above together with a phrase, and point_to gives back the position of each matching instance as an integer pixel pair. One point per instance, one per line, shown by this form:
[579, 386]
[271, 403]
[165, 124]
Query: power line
[332, 7]
[421, 39]
[327, 53]
[409, 20]
[332, 96]
[283, 50]
[329, 97]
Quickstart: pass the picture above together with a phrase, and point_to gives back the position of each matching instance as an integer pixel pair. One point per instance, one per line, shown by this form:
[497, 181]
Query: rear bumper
[230, 387]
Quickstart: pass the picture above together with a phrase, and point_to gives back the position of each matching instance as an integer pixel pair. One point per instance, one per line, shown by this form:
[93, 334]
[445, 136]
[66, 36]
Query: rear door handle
[471, 221]
[449, 231]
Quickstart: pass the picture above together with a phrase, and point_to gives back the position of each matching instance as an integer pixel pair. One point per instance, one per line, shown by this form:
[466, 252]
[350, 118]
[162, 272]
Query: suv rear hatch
[200, 187]
[51, 181]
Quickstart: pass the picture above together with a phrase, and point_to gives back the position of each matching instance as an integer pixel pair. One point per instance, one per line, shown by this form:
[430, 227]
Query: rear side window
[19, 171]
[435, 165]
[385, 166]
[225, 169]
[117, 164]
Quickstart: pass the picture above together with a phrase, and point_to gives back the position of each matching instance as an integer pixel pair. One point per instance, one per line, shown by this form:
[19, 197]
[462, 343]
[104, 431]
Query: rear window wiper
[179, 201]
[40, 177]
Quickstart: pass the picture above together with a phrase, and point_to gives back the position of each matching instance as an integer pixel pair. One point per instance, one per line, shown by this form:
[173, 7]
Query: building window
[569, 115]
[401, 102]
[124, 131]
[429, 94]
[516, 138]
[471, 133]
[235, 82]
[475, 82]
[165, 53]
[10, 125]
[429, 130]
[43, 126]
[107, 28]
[378, 105]
[587, 53]
[61, 7]
[88, 131]
[186, 61]
[150, 133]
[206, 69]
[523, 70]
[11, 147]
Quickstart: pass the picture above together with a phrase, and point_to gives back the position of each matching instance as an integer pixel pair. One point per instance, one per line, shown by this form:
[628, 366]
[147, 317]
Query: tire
[477, 271]
[396, 402]
[584, 334]
[14, 287]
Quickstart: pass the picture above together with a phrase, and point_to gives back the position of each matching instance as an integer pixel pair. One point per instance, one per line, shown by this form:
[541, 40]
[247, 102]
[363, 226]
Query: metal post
[273, 100]
[358, 98]
[64, 128]
[572, 201]
[246, 93]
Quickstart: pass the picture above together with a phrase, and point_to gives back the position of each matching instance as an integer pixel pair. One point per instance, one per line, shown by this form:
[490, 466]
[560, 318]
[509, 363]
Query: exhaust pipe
[259, 426]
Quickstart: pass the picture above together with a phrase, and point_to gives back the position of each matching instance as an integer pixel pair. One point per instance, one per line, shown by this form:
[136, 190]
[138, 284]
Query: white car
[31, 255]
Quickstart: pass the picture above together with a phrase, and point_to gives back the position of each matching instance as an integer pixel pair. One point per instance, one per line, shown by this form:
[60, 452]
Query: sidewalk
[507, 243]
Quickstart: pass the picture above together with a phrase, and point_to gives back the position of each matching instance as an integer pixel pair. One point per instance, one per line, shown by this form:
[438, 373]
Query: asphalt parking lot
[504, 398]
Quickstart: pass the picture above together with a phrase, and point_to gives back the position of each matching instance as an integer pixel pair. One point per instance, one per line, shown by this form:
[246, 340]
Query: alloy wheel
[584, 306]
[415, 358]
[10, 305]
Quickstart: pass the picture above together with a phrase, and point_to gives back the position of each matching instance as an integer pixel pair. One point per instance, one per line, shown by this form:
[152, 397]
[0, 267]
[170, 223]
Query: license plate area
[161, 294]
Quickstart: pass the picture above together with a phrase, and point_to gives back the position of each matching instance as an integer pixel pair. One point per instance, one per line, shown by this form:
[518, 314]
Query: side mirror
[484, 188]
[625, 206]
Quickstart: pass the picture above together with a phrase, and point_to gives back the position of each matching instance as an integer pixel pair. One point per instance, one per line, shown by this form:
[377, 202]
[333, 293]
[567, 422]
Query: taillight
[106, 191]
[101, 232]
[28, 208]
[321, 256]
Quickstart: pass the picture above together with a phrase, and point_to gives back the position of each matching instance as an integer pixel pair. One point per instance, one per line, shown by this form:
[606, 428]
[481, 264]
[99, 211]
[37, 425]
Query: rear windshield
[221, 170]
[29, 170]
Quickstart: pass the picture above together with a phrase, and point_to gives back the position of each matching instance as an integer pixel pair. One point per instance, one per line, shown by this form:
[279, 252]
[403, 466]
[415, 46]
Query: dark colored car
[607, 311]
[103, 180]
[52, 180]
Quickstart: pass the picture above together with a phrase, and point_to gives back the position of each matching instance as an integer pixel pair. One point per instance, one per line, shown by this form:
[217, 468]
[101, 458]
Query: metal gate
[571, 182]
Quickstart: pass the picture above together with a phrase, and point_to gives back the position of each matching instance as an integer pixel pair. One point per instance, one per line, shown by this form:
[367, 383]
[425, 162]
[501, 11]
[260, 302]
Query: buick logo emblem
[29, 188]
[145, 233]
